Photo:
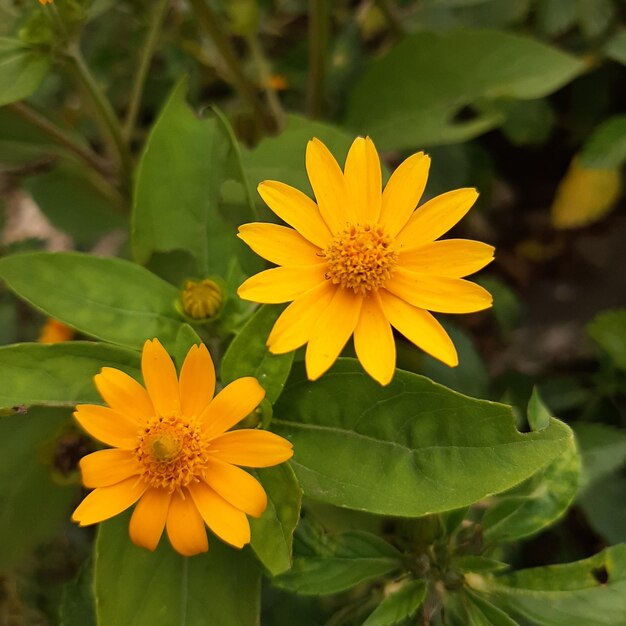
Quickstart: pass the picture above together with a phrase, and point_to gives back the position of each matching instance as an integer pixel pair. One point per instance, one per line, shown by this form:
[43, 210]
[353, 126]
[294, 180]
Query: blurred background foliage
[523, 99]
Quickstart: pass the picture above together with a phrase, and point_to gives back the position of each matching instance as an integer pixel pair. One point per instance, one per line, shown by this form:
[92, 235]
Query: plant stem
[387, 8]
[240, 82]
[147, 53]
[106, 115]
[318, 40]
[59, 136]
[265, 75]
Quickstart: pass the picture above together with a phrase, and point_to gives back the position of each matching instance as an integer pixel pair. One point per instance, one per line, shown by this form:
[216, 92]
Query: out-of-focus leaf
[59, 374]
[142, 588]
[479, 564]
[537, 503]
[595, 16]
[77, 607]
[177, 191]
[591, 591]
[585, 195]
[399, 606]
[606, 146]
[248, 354]
[327, 564]
[483, 613]
[34, 506]
[602, 449]
[417, 100]
[608, 330]
[74, 205]
[528, 122]
[507, 308]
[410, 448]
[106, 298]
[603, 504]
[554, 17]
[272, 533]
[21, 70]
[616, 48]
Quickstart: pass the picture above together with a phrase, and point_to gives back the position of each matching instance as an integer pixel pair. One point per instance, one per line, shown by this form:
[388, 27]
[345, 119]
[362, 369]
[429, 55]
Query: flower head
[201, 299]
[172, 455]
[362, 260]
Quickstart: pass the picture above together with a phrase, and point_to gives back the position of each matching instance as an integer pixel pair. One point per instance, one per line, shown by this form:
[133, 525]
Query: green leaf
[21, 70]
[603, 451]
[248, 354]
[186, 338]
[554, 17]
[483, 613]
[272, 533]
[59, 374]
[480, 564]
[74, 205]
[410, 448]
[34, 505]
[107, 298]
[326, 564]
[423, 83]
[177, 192]
[528, 122]
[595, 16]
[538, 414]
[608, 330]
[603, 504]
[606, 146]
[142, 588]
[537, 503]
[591, 591]
[398, 606]
[616, 47]
[77, 606]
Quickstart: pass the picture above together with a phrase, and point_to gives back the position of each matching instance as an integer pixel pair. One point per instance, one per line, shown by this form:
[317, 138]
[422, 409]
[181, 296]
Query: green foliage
[606, 147]
[471, 65]
[398, 606]
[134, 586]
[608, 330]
[427, 449]
[21, 70]
[34, 504]
[58, 374]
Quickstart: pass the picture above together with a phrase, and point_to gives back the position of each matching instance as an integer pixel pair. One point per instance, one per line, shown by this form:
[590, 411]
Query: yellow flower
[172, 454]
[54, 331]
[362, 260]
[201, 299]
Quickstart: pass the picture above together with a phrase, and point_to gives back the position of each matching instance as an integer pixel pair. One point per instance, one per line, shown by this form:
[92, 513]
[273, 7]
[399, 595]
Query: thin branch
[245, 89]
[147, 53]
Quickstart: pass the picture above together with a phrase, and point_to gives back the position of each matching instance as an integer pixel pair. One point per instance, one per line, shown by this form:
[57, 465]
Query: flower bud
[201, 299]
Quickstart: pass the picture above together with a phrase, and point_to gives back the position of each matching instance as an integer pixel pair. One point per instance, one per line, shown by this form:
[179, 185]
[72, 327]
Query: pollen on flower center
[361, 258]
[171, 452]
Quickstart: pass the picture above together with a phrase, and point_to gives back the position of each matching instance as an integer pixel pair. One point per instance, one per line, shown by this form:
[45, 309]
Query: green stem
[318, 40]
[147, 53]
[265, 74]
[106, 115]
[240, 82]
[388, 9]
[60, 137]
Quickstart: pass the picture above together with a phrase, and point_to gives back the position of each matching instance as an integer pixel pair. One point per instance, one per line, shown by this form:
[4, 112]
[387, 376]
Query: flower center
[361, 258]
[171, 452]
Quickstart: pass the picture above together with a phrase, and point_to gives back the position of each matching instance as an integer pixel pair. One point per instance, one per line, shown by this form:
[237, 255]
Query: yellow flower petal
[237, 487]
[281, 284]
[331, 332]
[226, 521]
[159, 375]
[124, 394]
[329, 186]
[107, 467]
[451, 257]
[231, 405]
[279, 244]
[197, 381]
[148, 519]
[403, 192]
[419, 327]
[185, 527]
[436, 217]
[251, 448]
[373, 341]
[107, 426]
[364, 180]
[438, 293]
[297, 210]
[107, 502]
[294, 326]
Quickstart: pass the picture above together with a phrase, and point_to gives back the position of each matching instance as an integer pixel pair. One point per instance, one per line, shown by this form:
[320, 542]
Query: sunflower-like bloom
[362, 260]
[172, 455]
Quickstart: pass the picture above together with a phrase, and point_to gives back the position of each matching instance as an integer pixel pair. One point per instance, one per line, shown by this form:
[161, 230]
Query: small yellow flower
[54, 331]
[201, 300]
[46, 1]
[172, 455]
[362, 260]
